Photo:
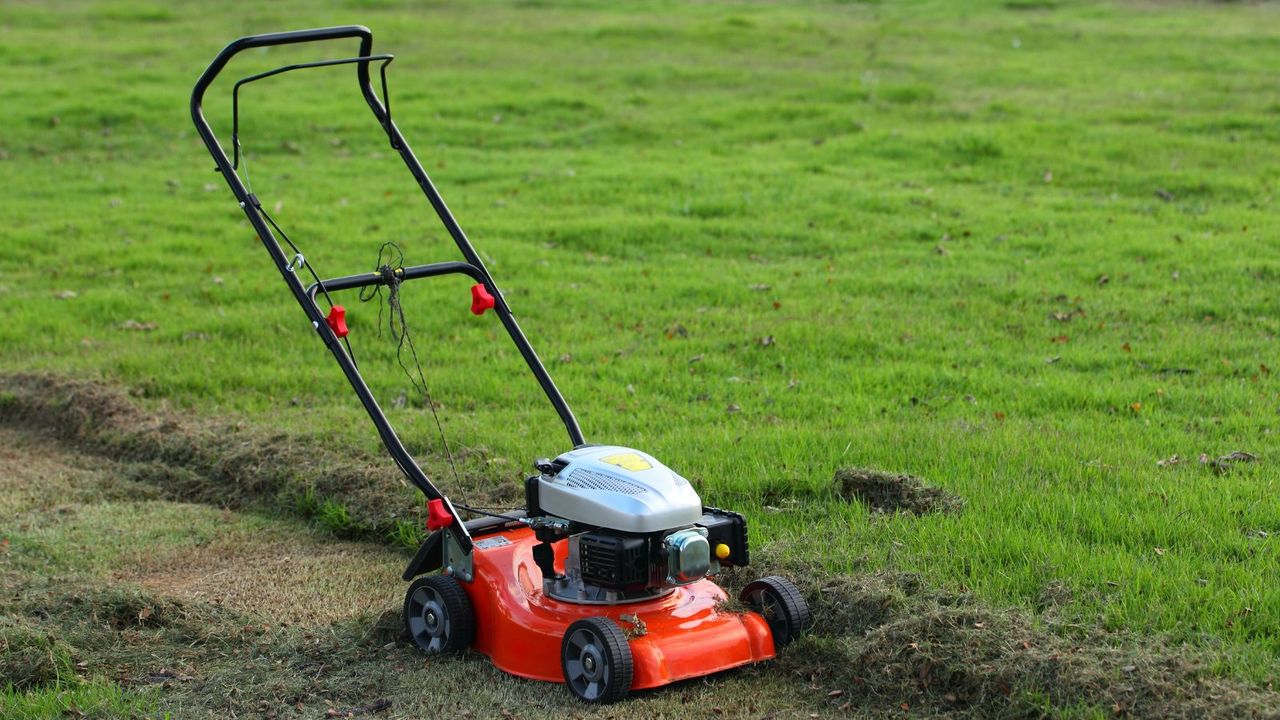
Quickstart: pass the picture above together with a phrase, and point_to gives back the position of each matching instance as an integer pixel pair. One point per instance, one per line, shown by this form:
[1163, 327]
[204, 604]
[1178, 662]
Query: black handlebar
[268, 39]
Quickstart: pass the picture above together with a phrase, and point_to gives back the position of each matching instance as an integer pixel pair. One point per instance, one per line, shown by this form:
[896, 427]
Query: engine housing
[618, 488]
[634, 528]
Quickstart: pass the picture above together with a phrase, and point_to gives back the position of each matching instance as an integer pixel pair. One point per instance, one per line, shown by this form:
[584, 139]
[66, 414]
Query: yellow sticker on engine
[628, 461]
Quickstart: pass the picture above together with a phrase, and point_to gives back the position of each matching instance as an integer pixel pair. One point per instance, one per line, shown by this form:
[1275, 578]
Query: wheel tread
[798, 617]
[457, 606]
[617, 651]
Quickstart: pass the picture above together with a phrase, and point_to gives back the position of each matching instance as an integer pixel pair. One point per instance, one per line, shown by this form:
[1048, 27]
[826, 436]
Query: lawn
[1023, 250]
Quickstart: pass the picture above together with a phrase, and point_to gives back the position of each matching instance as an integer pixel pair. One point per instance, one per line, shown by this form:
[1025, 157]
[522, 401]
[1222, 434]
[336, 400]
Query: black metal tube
[350, 282]
[403, 459]
[468, 251]
[235, 91]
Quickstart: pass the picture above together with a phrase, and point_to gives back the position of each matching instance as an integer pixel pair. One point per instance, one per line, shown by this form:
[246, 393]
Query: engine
[634, 527]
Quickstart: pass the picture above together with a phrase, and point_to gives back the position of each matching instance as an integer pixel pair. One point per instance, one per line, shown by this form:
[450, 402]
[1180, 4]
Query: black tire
[438, 615]
[596, 660]
[781, 605]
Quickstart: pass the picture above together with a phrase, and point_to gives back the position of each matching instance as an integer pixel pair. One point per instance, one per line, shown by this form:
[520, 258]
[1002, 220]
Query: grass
[85, 700]
[1023, 250]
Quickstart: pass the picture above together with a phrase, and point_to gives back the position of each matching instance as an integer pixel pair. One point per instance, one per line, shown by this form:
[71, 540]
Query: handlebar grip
[283, 38]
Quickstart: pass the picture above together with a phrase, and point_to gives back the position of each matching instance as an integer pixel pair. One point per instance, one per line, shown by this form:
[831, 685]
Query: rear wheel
[437, 613]
[596, 660]
[781, 605]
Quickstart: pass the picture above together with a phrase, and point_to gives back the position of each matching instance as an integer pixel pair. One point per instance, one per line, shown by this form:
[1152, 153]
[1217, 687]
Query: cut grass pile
[889, 493]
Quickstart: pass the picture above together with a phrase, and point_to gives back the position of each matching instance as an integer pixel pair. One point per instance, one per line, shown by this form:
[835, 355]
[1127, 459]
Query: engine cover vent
[584, 478]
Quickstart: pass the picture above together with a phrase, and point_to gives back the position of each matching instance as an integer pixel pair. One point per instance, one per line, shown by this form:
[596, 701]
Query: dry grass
[285, 580]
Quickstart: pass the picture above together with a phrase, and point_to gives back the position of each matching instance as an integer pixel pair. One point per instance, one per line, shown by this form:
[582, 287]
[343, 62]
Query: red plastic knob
[481, 300]
[337, 320]
[437, 516]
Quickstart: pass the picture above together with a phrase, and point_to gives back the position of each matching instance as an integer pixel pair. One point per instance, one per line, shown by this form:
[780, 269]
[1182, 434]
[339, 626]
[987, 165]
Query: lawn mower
[602, 581]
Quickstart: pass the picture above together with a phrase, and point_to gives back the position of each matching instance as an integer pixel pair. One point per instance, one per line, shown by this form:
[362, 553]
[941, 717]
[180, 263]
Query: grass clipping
[887, 642]
[889, 493]
[30, 657]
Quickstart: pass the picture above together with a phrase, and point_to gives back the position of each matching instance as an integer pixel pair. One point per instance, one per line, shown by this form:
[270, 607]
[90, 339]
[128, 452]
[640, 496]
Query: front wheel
[596, 660]
[781, 605]
[437, 613]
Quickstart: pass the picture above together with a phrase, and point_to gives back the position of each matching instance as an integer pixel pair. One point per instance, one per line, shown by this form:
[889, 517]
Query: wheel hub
[591, 662]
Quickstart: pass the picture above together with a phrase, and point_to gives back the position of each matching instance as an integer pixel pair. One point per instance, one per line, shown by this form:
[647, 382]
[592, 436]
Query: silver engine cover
[620, 489]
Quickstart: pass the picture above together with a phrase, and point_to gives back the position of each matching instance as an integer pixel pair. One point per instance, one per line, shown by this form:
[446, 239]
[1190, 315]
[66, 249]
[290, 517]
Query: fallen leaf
[999, 416]
[1126, 347]
[1169, 461]
[1135, 406]
[835, 693]
[144, 614]
[733, 408]
[1060, 339]
[1159, 551]
[766, 341]
[1103, 279]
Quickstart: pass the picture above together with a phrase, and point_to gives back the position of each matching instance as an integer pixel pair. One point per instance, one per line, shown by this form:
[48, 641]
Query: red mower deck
[685, 634]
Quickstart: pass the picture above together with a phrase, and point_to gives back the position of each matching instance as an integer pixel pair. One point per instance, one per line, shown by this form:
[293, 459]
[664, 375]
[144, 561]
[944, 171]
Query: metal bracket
[456, 562]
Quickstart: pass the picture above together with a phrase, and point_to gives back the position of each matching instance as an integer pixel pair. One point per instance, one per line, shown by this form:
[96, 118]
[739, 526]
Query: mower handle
[473, 266]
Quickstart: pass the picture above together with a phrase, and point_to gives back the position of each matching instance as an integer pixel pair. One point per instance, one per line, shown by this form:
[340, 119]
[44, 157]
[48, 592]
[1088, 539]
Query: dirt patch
[891, 493]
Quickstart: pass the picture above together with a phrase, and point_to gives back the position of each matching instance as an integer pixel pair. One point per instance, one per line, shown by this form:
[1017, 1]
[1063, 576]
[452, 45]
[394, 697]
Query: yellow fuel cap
[722, 551]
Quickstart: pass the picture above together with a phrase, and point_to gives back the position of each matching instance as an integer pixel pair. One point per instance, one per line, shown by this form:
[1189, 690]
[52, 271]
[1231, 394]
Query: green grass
[1024, 250]
[96, 699]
